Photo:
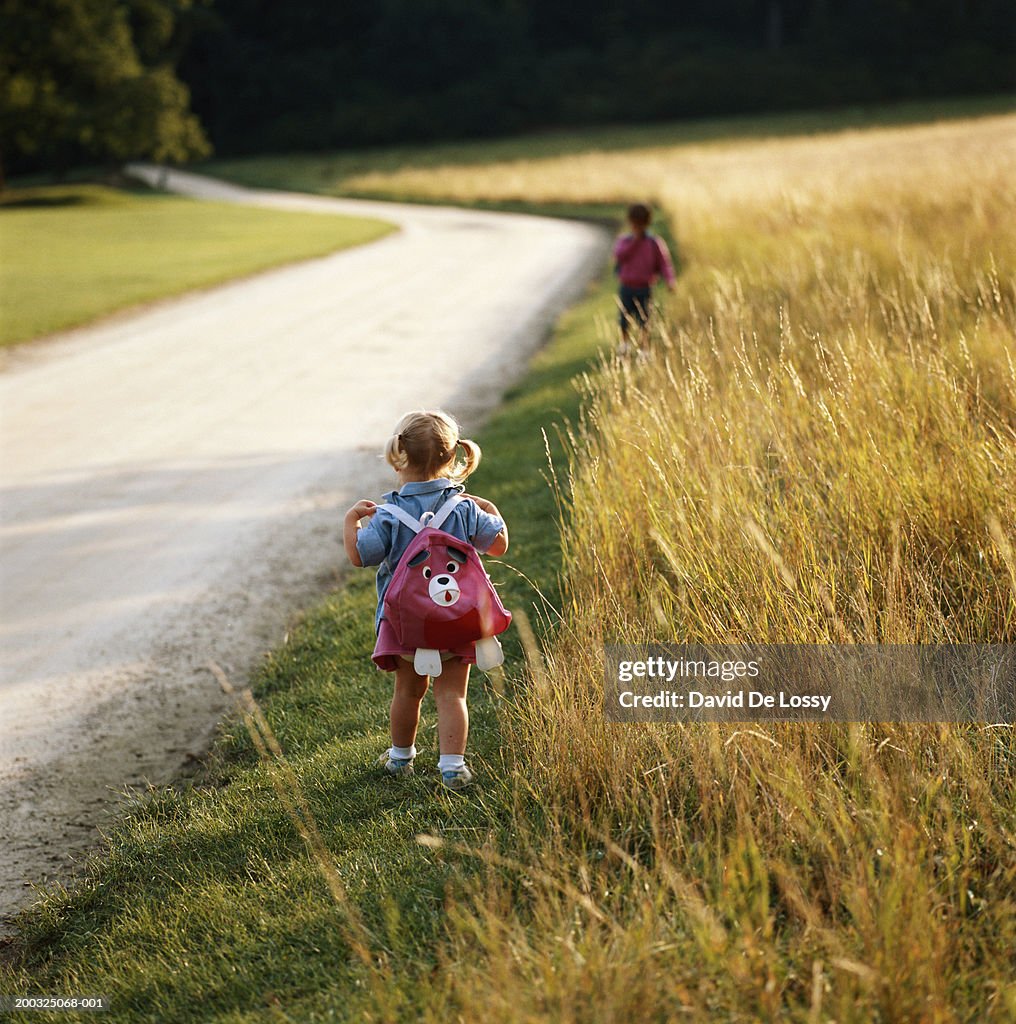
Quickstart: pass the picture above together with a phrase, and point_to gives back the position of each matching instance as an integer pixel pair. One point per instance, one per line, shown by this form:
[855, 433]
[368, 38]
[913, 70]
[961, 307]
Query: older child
[424, 452]
[641, 260]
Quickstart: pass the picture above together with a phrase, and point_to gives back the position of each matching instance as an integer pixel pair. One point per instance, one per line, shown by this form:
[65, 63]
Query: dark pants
[635, 306]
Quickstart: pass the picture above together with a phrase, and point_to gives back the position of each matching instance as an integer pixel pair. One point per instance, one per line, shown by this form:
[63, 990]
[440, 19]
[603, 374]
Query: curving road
[173, 480]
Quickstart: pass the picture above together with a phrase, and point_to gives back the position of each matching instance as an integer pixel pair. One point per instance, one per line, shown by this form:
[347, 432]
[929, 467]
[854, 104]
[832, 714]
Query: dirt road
[173, 482]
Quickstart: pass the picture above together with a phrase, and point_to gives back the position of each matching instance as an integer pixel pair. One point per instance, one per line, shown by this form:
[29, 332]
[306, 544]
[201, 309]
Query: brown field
[822, 448]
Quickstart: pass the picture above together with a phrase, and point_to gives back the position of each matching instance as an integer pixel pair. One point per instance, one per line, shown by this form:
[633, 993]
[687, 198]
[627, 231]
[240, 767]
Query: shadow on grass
[35, 202]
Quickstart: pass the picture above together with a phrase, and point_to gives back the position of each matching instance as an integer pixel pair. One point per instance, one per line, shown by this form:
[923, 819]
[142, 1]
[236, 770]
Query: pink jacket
[640, 261]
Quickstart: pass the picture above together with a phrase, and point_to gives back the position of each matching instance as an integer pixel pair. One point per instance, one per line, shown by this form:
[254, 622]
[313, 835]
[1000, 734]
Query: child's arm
[664, 262]
[500, 543]
[363, 509]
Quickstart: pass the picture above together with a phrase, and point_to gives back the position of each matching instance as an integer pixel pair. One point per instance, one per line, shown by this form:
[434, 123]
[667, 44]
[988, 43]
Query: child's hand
[500, 545]
[363, 509]
[485, 506]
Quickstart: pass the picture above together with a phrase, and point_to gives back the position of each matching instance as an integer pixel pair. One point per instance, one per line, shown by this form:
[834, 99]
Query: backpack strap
[431, 519]
[436, 519]
[403, 516]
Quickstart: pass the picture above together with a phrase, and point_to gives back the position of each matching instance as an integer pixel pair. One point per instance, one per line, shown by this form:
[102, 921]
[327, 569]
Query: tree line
[86, 80]
[170, 79]
[318, 73]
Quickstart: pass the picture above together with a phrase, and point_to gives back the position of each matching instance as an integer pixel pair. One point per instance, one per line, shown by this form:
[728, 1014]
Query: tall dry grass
[821, 448]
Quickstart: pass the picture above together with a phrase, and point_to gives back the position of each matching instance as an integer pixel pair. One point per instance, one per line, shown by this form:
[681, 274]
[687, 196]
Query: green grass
[71, 254]
[207, 906]
[835, 370]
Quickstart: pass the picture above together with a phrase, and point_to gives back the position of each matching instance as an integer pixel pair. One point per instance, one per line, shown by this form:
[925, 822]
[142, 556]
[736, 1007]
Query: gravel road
[174, 478]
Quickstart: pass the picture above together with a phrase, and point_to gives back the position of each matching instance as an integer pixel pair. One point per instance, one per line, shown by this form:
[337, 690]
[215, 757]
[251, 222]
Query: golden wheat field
[821, 448]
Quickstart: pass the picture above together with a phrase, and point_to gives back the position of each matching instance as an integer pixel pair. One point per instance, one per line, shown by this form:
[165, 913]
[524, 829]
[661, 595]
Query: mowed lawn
[71, 254]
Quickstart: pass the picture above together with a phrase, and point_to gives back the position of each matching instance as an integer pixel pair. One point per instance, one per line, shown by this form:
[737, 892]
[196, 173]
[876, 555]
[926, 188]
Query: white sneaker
[457, 778]
[398, 767]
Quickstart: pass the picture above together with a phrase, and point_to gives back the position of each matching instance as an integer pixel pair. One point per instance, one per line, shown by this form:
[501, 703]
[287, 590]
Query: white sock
[448, 762]
[404, 753]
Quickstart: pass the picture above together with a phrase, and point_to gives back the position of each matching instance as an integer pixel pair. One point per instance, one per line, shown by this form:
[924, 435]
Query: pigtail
[395, 454]
[427, 442]
[471, 452]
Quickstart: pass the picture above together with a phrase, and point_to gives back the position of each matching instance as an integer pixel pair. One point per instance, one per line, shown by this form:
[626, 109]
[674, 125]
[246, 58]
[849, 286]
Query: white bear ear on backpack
[427, 661]
[488, 653]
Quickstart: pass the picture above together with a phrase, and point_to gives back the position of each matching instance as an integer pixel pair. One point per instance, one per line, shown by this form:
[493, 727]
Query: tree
[93, 79]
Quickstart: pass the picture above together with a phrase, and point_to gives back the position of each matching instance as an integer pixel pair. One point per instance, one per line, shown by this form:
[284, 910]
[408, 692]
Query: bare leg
[410, 688]
[452, 713]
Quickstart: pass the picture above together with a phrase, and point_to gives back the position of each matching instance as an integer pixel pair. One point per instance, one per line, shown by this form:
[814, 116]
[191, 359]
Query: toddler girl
[425, 452]
[641, 260]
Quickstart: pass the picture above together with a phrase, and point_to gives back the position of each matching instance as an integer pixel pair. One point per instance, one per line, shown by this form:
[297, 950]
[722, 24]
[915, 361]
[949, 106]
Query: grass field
[71, 254]
[418, 173]
[822, 447]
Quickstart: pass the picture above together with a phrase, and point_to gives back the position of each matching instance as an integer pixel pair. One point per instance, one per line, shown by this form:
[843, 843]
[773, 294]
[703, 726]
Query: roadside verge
[208, 901]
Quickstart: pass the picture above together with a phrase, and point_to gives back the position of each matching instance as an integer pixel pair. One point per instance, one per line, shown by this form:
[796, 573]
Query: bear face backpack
[441, 597]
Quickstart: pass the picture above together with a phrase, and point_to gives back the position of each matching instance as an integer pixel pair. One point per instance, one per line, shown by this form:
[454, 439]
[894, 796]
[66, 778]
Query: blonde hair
[428, 443]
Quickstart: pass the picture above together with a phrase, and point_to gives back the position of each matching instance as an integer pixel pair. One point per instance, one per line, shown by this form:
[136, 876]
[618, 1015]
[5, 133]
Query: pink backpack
[441, 597]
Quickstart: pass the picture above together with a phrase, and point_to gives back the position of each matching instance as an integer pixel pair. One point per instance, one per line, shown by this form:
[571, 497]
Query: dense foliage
[269, 77]
[93, 79]
[115, 79]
